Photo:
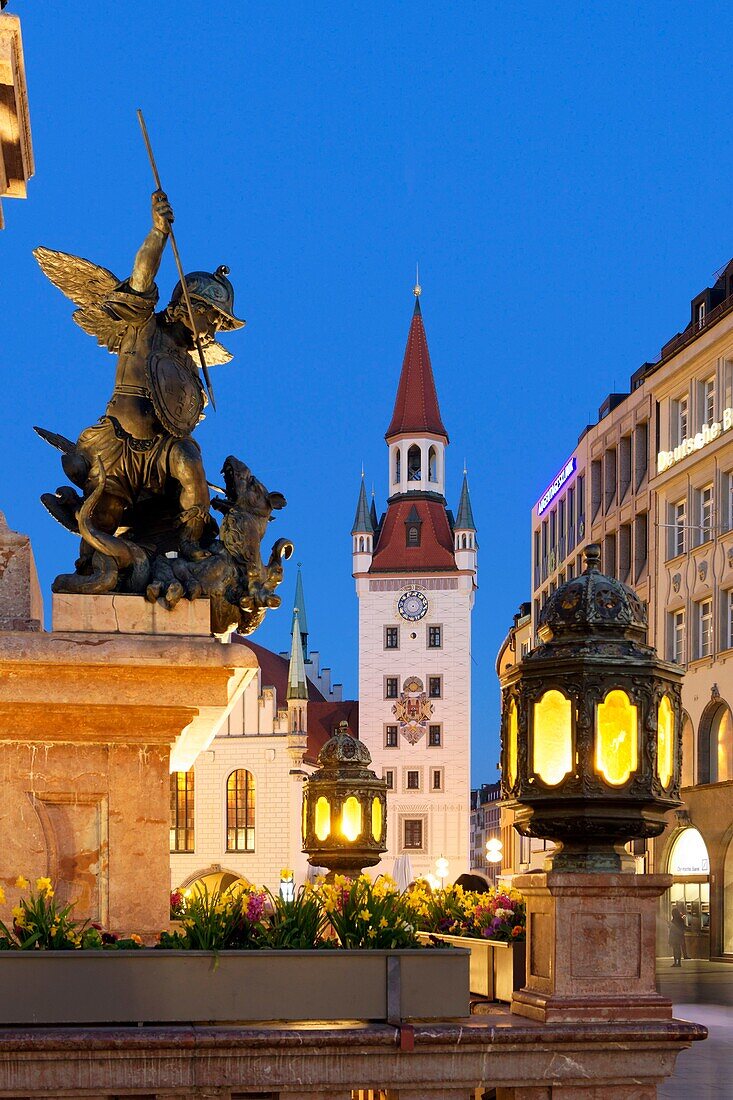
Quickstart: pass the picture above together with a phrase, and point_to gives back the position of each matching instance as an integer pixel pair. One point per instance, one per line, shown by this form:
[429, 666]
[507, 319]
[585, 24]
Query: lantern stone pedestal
[591, 940]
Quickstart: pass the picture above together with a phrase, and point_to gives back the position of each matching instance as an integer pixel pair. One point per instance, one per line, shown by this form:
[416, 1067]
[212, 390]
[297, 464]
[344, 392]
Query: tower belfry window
[397, 465]
[433, 464]
[414, 463]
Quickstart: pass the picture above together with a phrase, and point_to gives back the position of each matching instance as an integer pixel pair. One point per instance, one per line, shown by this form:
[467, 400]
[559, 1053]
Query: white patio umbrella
[402, 872]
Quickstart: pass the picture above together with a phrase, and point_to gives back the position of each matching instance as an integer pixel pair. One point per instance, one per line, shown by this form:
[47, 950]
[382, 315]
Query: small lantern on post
[591, 759]
[344, 808]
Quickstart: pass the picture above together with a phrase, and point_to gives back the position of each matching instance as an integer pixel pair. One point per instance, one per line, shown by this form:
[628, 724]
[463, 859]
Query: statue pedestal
[591, 947]
[119, 614]
[91, 723]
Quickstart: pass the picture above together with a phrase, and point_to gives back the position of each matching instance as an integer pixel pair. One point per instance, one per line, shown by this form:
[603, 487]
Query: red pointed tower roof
[416, 409]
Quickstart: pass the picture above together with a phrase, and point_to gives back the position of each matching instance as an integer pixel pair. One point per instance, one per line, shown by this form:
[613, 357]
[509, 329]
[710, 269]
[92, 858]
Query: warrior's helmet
[212, 290]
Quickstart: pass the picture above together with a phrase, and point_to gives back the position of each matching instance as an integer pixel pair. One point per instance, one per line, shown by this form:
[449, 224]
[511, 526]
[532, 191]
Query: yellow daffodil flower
[2, 896]
[44, 886]
[19, 916]
[22, 883]
[364, 914]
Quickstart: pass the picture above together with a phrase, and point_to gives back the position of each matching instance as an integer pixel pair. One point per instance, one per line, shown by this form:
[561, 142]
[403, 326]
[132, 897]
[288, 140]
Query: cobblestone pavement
[701, 991]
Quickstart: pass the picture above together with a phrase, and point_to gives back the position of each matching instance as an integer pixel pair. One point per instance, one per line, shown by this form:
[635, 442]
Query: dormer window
[701, 315]
[413, 524]
[414, 463]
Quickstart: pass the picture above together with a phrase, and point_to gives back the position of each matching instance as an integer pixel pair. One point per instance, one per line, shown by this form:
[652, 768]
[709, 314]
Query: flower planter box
[99, 987]
[496, 968]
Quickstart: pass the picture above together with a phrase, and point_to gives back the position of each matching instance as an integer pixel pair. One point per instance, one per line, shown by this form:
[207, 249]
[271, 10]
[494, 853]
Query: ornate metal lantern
[591, 743]
[344, 808]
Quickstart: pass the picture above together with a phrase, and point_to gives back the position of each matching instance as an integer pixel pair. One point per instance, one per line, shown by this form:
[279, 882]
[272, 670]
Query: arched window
[414, 463]
[182, 811]
[397, 465]
[361, 542]
[413, 535]
[463, 538]
[688, 751]
[715, 743]
[241, 811]
[433, 464]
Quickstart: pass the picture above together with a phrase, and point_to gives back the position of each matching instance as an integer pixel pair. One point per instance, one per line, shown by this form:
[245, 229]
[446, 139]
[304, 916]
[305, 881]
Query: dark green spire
[464, 520]
[362, 521]
[299, 614]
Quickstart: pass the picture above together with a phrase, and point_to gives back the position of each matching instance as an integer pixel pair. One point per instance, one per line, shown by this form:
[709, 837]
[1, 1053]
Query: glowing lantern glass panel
[376, 819]
[552, 747]
[323, 818]
[304, 824]
[351, 818]
[617, 726]
[511, 764]
[665, 743]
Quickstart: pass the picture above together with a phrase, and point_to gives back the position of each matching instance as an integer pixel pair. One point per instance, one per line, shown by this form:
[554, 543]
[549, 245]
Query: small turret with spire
[362, 533]
[297, 694]
[299, 614]
[464, 530]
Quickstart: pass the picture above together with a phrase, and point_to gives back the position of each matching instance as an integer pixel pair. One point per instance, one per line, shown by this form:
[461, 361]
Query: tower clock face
[412, 606]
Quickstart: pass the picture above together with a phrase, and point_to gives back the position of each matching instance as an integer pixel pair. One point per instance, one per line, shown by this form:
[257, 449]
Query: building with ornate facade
[236, 813]
[415, 571]
[652, 482]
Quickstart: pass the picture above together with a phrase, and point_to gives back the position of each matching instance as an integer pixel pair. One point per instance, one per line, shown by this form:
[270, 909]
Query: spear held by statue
[179, 266]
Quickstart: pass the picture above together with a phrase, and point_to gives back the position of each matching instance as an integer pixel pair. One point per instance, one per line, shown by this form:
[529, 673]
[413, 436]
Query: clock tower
[415, 572]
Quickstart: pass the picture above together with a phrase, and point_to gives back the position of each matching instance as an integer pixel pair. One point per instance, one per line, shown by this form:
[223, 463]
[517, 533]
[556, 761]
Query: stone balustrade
[451, 1060]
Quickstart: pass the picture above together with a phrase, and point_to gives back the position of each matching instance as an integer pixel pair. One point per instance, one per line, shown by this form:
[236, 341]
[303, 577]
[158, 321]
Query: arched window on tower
[241, 811]
[361, 542]
[414, 463]
[463, 538]
[397, 465]
[433, 464]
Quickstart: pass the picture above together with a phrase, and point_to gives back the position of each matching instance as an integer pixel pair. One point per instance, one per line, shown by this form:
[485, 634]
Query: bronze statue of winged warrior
[144, 489]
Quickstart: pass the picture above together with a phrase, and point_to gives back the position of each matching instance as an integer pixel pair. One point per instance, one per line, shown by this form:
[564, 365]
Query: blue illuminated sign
[552, 490]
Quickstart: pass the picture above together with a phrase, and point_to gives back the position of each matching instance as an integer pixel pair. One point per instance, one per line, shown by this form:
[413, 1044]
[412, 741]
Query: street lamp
[591, 745]
[344, 808]
[494, 849]
[441, 870]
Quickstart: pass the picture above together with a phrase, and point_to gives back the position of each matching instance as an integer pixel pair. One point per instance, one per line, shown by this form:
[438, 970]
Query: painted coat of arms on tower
[413, 709]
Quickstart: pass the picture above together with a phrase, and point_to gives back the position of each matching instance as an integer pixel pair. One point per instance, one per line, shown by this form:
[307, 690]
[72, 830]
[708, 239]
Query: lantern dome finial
[592, 604]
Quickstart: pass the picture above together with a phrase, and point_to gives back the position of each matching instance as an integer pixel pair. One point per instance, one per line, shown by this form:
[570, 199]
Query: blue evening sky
[561, 172]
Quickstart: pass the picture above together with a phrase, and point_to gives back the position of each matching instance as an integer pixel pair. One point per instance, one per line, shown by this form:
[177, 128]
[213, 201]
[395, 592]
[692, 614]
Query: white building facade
[236, 814]
[415, 573]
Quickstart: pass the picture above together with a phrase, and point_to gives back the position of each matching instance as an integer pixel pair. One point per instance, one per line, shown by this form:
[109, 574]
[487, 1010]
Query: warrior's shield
[177, 394]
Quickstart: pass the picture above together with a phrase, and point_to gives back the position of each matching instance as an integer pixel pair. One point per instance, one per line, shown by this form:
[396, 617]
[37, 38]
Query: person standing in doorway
[677, 935]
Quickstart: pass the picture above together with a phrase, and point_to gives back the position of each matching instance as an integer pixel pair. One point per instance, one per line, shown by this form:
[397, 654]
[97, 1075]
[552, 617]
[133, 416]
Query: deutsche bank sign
[552, 490]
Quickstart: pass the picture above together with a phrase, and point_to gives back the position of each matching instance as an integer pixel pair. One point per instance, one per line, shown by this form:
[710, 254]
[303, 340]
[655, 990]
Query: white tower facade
[416, 582]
